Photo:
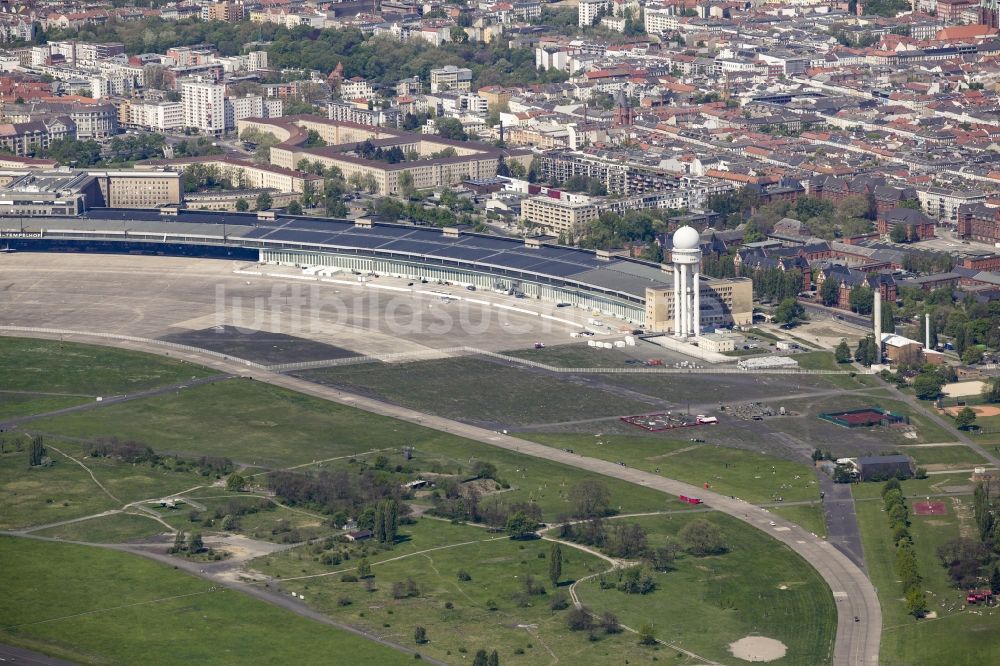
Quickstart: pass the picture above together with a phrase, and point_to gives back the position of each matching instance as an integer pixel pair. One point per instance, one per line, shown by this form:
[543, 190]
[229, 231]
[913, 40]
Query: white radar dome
[686, 238]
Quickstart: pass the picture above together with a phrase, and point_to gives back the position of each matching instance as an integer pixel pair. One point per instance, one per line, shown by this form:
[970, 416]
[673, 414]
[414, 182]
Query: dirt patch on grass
[758, 648]
[980, 410]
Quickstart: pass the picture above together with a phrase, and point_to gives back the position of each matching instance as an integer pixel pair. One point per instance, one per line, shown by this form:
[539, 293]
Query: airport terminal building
[615, 286]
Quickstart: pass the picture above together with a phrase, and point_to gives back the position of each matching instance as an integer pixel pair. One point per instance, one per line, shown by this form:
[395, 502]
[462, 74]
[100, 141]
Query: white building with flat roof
[204, 106]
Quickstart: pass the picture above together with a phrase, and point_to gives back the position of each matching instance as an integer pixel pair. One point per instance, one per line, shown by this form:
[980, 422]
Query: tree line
[905, 561]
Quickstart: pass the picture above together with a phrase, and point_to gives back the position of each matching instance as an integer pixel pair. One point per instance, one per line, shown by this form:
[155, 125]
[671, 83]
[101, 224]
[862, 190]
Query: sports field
[945, 638]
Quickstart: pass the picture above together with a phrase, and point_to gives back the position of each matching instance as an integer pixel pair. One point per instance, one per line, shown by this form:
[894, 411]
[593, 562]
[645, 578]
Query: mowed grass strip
[53, 590]
[759, 587]
[575, 356]
[809, 516]
[263, 425]
[943, 455]
[751, 476]
[68, 367]
[13, 405]
[116, 528]
[472, 389]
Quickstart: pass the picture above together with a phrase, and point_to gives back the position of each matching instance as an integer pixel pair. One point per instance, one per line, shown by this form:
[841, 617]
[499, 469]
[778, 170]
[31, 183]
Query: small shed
[884, 467]
[359, 535]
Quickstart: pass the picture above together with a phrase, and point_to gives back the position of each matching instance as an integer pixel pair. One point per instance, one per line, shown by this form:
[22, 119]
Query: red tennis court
[929, 508]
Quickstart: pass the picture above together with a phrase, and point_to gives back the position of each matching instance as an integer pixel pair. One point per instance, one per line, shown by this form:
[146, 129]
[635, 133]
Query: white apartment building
[116, 79]
[157, 116]
[660, 20]
[250, 62]
[204, 106]
[557, 216]
[589, 10]
[357, 88]
[252, 106]
[452, 78]
[473, 103]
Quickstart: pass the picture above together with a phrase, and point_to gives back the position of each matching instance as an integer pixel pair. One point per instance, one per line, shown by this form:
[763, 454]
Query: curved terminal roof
[575, 268]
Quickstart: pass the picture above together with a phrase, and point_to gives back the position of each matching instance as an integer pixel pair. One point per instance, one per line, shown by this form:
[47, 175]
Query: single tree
[843, 352]
[294, 208]
[235, 482]
[196, 544]
[898, 234]
[481, 659]
[927, 386]
[242, 205]
[364, 568]
[519, 526]
[789, 312]
[494, 659]
[406, 187]
[646, 635]
[419, 635]
[36, 454]
[972, 355]
[590, 499]
[965, 418]
[555, 564]
[995, 581]
[916, 602]
[579, 619]
[610, 624]
[180, 541]
[829, 293]
[264, 201]
[701, 537]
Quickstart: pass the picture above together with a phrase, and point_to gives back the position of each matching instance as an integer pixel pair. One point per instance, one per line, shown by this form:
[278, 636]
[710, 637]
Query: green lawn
[97, 606]
[497, 567]
[577, 355]
[905, 640]
[943, 455]
[271, 523]
[67, 367]
[809, 516]
[116, 528]
[707, 603]
[822, 360]
[42, 495]
[818, 360]
[472, 389]
[251, 422]
[260, 424]
[26, 404]
[751, 476]
[64, 490]
[423, 534]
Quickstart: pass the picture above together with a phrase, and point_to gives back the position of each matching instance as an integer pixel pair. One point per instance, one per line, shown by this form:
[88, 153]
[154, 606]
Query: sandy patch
[963, 389]
[758, 648]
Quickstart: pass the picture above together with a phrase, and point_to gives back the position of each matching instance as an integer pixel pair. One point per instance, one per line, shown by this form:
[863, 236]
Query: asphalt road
[857, 642]
[841, 520]
[19, 656]
[832, 313]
